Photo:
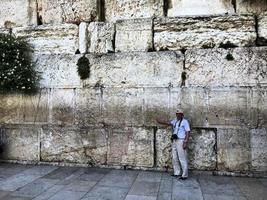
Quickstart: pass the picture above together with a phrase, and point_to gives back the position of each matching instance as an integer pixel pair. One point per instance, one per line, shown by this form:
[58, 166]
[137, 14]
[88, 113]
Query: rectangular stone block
[262, 28]
[58, 71]
[196, 7]
[203, 32]
[131, 9]
[20, 143]
[47, 39]
[139, 69]
[74, 145]
[234, 151]
[131, 146]
[101, 37]
[226, 67]
[60, 11]
[18, 13]
[251, 6]
[258, 142]
[163, 148]
[134, 35]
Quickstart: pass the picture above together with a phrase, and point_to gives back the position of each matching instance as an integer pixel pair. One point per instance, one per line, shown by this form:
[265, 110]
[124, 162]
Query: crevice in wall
[114, 38]
[153, 35]
[166, 5]
[101, 10]
[257, 30]
[234, 4]
[39, 16]
[155, 129]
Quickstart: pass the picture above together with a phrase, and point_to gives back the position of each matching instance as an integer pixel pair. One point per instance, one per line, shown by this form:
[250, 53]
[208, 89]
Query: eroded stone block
[262, 29]
[58, 71]
[61, 39]
[203, 32]
[226, 67]
[101, 37]
[163, 147]
[131, 9]
[153, 69]
[234, 151]
[18, 13]
[196, 7]
[60, 11]
[20, 143]
[131, 146]
[74, 145]
[251, 6]
[83, 37]
[134, 35]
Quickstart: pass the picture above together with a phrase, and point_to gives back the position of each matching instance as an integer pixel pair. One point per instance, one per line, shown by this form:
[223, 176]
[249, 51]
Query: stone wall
[146, 60]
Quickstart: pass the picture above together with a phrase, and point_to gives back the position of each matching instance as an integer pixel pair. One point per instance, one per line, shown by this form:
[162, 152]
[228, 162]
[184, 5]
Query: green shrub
[17, 71]
[83, 67]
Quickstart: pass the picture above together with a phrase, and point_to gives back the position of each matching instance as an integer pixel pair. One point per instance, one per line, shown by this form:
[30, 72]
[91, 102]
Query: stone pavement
[24, 182]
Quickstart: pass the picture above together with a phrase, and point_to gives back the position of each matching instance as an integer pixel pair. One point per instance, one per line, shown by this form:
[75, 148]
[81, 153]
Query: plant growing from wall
[83, 67]
[17, 71]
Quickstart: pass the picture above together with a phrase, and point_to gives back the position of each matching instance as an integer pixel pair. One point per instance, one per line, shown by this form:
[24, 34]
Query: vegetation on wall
[17, 71]
[83, 67]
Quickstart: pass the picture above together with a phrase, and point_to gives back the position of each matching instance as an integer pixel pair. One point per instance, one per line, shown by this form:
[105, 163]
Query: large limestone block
[153, 69]
[51, 39]
[199, 7]
[251, 6]
[202, 149]
[69, 144]
[203, 32]
[58, 71]
[258, 138]
[233, 149]
[262, 29]
[18, 13]
[10, 108]
[131, 9]
[101, 37]
[163, 148]
[60, 11]
[134, 35]
[20, 143]
[88, 107]
[131, 146]
[226, 67]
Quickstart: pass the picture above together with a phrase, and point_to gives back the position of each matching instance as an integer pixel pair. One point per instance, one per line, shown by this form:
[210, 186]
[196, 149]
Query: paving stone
[93, 174]
[149, 176]
[138, 197]
[3, 194]
[186, 194]
[40, 170]
[104, 193]
[50, 192]
[264, 181]
[61, 173]
[68, 195]
[15, 198]
[80, 186]
[145, 188]
[166, 186]
[164, 196]
[72, 177]
[189, 183]
[222, 197]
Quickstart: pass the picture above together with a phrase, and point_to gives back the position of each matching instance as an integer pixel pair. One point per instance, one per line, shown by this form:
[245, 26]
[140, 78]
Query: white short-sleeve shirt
[181, 130]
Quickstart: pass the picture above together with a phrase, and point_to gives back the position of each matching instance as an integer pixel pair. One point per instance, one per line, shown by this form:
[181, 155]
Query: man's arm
[163, 122]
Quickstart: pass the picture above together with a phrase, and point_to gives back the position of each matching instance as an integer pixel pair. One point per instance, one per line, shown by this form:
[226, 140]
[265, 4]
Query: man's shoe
[183, 178]
[176, 175]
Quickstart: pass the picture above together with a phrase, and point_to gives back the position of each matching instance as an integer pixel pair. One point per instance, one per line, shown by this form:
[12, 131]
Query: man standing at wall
[181, 130]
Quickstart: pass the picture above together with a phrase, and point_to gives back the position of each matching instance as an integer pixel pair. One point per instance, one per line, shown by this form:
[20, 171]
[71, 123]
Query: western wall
[147, 58]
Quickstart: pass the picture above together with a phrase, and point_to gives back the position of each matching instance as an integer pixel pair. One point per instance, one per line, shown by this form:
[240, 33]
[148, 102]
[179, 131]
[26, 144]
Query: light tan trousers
[179, 158]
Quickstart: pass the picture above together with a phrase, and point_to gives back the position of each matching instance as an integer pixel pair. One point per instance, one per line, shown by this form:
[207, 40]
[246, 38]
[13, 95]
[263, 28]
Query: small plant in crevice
[17, 71]
[229, 57]
[83, 67]
[183, 76]
[227, 45]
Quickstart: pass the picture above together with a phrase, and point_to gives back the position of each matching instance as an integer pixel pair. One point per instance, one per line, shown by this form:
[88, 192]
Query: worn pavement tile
[188, 183]
[164, 196]
[149, 176]
[138, 197]
[12, 169]
[61, 173]
[40, 170]
[165, 186]
[186, 193]
[145, 188]
[3, 193]
[50, 192]
[92, 174]
[35, 188]
[264, 181]
[252, 188]
[69, 179]
[106, 193]
[222, 197]
[15, 198]
[80, 186]
[118, 180]
[67, 195]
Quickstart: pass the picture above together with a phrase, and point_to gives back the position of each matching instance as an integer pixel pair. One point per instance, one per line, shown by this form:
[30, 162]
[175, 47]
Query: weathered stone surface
[234, 151]
[55, 12]
[251, 6]
[258, 139]
[154, 69]
[131, 146]
[202, 149]
[17, 13]
[51, 39]
[10, 108]
[61, 106]
[131, 9]
[163, 148]
[134, 35]
[203, 32]
[226, 67]
[262, 28]
[101, 37]
[20, 143]
[74, 145]
[196, 7]
[83, 38]
[58, 71]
